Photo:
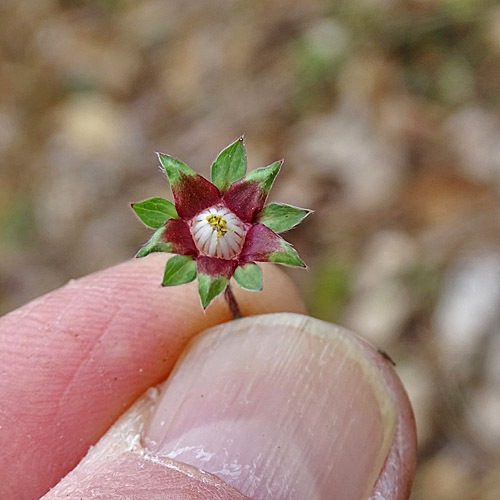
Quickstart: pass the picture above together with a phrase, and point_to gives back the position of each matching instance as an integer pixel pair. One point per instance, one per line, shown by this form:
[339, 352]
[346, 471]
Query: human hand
[279, 406]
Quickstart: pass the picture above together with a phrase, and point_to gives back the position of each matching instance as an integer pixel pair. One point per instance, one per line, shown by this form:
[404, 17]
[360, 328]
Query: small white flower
[218, 232]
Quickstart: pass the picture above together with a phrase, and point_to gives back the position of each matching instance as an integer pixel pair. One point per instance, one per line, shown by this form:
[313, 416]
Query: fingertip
[91, 348]
[119, 467]
[286, 406]
[396, 477]
[280, 406]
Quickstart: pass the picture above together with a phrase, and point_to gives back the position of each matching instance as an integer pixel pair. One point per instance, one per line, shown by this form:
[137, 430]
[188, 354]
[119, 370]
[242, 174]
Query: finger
[119, 467]
[279, 406]
[72, 361]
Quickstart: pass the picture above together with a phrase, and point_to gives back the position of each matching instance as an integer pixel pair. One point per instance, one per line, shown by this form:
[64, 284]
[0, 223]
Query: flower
[219, 229]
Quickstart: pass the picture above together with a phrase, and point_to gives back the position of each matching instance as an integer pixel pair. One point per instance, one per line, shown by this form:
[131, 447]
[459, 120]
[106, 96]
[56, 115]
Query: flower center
[218, 232]
[218, 223]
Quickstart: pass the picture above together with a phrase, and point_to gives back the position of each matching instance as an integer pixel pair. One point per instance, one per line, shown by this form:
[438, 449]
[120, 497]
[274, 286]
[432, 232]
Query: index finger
[73, 360]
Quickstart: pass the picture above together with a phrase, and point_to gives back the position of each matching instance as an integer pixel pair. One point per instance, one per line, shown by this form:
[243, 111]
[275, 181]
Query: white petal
[213, 242]
[205, 238]
[209, 246]
[232, 243]
[201, 229]
[218, 251]
[225, 252]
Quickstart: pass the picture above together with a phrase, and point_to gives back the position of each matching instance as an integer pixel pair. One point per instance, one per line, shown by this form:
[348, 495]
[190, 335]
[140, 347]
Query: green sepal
[249, 276]
[287, 255]
[174, 168]
[230, 165]
[154, 212]
[155, 244]
[265, 176]
[179, 270]
[280, 217]
[210, 286]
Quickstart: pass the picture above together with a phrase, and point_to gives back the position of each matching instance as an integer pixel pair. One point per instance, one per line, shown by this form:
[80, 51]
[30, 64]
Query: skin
[76, 359]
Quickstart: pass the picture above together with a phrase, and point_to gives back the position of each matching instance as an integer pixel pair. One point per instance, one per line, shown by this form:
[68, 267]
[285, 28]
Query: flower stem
[232, 304]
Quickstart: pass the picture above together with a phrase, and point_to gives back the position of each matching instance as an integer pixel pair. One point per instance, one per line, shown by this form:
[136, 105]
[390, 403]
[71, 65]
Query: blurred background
[387, 113]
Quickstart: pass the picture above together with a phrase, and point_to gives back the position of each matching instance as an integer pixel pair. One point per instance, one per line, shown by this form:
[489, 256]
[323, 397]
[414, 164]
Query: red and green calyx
[219, 229]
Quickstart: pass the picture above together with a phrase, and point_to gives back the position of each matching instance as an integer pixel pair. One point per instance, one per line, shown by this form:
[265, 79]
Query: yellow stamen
[218, 224]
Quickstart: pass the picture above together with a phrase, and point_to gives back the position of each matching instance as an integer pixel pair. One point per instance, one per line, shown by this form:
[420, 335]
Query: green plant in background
[16, 222]
[330, 288]
[219, 229]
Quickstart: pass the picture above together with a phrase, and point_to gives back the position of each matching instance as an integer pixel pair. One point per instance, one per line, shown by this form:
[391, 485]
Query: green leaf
[155, 244]
[265, 176]
[230, 165]
[280, 217]
[287, 255]
[154, 212]
[210, 286]
[179, 269]
[249, 276]
[174, 168]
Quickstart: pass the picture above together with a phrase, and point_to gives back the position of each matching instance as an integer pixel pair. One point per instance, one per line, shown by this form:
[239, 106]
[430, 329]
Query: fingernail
[279, 406]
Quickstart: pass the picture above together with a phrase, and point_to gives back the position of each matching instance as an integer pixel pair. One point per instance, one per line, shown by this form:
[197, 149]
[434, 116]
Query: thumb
[278, 406]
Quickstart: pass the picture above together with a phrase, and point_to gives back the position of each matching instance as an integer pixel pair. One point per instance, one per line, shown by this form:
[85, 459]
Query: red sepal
[260, 243]
[216, 267]
[177, 233]
[246, 199]
[192, 194]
